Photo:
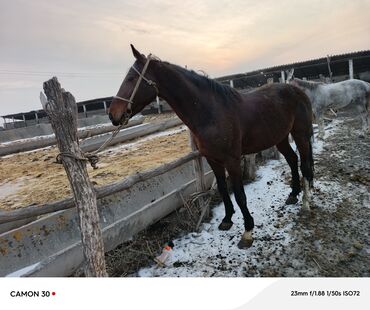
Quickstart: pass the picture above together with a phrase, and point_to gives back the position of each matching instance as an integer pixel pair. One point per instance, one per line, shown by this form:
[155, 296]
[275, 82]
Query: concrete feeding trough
[51, 245]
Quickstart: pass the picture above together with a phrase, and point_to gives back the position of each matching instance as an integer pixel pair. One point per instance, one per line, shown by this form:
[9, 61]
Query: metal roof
[312, 69]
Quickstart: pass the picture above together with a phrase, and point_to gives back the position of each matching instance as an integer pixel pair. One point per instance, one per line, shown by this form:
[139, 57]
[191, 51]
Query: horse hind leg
[292, 159]
[365, 116]
[304, 146]
[365, 123]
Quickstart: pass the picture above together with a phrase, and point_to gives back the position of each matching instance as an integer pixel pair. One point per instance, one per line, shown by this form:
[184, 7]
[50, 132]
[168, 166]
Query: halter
[141, 77]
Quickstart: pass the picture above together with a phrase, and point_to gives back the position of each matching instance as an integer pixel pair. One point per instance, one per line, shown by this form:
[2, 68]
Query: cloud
[17, 85]
[220, 37]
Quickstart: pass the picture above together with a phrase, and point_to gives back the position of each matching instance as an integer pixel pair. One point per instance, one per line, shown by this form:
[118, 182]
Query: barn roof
[310, 68]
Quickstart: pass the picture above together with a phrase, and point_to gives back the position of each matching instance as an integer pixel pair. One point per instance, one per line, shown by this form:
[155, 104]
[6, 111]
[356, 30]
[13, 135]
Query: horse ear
[139, 57]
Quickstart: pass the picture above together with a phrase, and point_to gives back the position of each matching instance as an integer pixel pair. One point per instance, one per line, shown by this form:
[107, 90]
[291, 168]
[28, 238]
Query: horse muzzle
[122, 121]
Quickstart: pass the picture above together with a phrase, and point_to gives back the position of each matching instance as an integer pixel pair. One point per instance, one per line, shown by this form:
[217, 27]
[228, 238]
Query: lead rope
[91, 157]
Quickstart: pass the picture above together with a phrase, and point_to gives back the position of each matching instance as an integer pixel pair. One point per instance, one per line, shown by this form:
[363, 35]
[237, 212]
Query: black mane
[227, 93]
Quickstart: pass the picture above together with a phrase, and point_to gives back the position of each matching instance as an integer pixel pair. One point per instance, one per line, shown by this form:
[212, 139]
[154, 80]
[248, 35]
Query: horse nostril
[110, 116]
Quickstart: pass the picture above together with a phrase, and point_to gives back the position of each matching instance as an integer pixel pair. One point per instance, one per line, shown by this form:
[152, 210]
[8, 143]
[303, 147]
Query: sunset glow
[86, 43]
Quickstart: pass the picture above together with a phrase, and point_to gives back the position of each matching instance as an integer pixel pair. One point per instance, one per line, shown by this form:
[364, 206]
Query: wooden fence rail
[101, 192]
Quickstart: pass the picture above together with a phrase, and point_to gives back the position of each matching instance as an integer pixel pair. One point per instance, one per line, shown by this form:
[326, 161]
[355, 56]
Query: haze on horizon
[86, 43]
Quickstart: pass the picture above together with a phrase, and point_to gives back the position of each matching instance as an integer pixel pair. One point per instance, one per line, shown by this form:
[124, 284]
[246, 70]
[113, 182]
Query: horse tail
[312, 165]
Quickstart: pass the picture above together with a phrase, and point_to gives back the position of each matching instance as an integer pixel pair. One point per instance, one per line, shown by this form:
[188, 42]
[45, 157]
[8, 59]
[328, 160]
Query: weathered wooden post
[350, 68]
[329, 68]
[61, 108]
[200, 180]
[270, 153]
[159, 107]
[248, 166]
[282, 79]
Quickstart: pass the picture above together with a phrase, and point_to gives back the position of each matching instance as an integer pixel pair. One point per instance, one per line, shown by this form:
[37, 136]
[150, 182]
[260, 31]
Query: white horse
[323, 97]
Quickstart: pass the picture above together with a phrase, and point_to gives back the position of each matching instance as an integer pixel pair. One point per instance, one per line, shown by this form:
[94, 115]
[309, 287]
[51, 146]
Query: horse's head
[137, 90]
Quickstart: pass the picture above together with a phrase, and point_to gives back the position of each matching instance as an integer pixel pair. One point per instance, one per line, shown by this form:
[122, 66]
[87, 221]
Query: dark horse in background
[225, 124]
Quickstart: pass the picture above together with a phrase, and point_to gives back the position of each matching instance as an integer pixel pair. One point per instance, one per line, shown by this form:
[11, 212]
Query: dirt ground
[34, 177]
[335, 241]
[330, 241]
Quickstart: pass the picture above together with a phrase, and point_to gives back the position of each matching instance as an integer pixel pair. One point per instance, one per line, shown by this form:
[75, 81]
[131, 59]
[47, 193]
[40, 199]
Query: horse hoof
[225, 225]
[246, 241]
[305, 209]
[245, 244]
[291, 200]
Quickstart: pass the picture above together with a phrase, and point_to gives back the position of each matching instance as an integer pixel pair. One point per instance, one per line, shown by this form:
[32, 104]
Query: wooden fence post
[282, 73]
[329, 68]
[248, 166]
[159, 106]
[270, 153]
[200, 180]
[61, 108]
[350, 68]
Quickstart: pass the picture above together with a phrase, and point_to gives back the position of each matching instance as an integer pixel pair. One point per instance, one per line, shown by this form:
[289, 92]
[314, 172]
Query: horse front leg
[219, 172]
[233, 168]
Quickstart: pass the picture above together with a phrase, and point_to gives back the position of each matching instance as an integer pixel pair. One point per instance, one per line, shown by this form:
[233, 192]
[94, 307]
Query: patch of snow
[19, 141]
[22, 271]
[215, 253]
[8, 188]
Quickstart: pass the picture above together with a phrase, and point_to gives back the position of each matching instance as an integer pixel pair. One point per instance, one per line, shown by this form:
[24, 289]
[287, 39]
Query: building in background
[331, 68]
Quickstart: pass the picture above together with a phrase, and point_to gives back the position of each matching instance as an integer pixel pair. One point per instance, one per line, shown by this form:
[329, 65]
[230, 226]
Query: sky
[86, 43]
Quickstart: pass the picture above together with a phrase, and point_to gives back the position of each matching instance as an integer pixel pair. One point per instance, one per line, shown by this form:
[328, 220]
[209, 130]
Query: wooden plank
[132, 133]
[49, 141]
[198, 165]
[200, 182]
[61, 109]
[48, 242]
[101, 192]
[66, 261]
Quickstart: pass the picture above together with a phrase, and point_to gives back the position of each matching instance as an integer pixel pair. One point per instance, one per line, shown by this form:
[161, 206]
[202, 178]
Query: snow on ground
[215, 253]
[22, 271]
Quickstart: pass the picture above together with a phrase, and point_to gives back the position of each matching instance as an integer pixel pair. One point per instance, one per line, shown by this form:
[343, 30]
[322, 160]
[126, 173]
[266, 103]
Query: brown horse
[225, 124]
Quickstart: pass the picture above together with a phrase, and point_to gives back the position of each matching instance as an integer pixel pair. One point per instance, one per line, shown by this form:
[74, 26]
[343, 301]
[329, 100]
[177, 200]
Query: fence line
[101, 192]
